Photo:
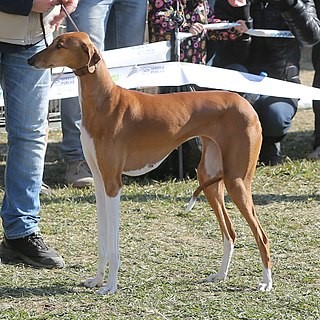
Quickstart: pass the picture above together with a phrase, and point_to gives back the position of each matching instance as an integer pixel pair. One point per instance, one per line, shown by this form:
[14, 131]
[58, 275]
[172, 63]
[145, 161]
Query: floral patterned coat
[161, 26]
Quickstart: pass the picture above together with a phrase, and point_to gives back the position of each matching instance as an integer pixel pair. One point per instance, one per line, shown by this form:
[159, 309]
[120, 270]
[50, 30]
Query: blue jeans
[111, 24]
[25, 92]
[275, 115]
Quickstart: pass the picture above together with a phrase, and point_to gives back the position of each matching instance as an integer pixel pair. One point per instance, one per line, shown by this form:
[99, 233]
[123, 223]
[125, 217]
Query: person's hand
[70, 6]
[237, 3]
[196, 28]
[41, 6]
[242, 28]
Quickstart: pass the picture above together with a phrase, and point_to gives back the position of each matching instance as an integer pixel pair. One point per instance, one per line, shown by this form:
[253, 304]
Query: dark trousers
[316, 104]
[275, 115]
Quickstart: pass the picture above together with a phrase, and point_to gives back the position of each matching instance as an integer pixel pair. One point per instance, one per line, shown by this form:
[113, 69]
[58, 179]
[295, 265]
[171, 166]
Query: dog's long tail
[206, 184]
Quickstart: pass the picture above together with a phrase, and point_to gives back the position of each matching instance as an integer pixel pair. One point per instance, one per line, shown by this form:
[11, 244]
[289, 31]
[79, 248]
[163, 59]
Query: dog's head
[73, 49]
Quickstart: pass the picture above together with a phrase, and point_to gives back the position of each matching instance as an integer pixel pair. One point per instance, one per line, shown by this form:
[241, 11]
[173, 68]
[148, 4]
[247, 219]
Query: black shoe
[270, 154]
[32, 250]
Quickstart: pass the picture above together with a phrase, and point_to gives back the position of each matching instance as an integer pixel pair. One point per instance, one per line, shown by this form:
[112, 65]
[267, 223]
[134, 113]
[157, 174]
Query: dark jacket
[278, 57]
[316, 60]
[22, 7]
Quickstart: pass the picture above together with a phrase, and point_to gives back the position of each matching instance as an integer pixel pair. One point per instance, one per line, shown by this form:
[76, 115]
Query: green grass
[165, 252]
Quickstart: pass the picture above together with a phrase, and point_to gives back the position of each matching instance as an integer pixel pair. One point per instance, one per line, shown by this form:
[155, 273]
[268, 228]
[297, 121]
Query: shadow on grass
[259, 199]
[58, 288]
[22, 292]
[297, 145]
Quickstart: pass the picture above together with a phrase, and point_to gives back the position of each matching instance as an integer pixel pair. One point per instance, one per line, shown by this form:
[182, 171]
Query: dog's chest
[87, 144]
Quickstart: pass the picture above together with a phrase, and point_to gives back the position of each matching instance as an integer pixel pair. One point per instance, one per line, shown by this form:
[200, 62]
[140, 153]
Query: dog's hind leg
[240, 193]
[215, 196]
[209, 167]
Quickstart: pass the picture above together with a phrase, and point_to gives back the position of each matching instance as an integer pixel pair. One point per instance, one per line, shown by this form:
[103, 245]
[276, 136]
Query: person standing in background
[278, 57]
[111, 24]
[25, 28]
[315, 58]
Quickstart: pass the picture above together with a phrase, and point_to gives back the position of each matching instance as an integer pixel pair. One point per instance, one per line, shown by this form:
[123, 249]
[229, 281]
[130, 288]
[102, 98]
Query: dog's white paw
[93, 282]
[215, 277]
[108, 289]
[266, 283]
[265, 287]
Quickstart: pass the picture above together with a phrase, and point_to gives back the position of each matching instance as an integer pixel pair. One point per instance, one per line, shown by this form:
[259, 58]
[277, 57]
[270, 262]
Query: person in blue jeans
[111, 24]
[25, 28]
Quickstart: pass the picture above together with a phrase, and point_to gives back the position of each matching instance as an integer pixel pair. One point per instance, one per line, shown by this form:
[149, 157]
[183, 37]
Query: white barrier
[135, 67]
[65, 84]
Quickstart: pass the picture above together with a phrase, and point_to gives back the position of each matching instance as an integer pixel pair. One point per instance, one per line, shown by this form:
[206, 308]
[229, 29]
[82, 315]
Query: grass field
[166, 253]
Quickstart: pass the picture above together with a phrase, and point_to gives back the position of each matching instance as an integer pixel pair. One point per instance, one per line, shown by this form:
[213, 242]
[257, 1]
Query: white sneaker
[315, 155]
[78, 174]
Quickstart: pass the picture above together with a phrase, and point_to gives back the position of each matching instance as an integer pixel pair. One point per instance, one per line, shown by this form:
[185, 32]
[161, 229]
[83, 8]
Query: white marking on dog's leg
[110, 237]
[102, 228]
[108, 213]
[266, 284]
[228, 247]
[90, 154]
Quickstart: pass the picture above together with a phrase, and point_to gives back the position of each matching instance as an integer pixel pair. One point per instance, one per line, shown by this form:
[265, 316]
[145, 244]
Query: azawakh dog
[130, 132]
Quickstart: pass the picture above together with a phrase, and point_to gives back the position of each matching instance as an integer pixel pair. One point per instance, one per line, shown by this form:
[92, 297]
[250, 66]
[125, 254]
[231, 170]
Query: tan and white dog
[130, 132]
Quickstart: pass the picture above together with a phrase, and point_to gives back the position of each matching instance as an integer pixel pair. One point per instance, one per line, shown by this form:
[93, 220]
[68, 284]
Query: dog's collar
[89, 68]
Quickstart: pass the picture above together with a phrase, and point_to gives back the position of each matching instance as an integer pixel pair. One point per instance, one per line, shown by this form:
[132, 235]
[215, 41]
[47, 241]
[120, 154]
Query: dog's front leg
[108, 212]
[108, 209]
[102, 227]
[109, 237]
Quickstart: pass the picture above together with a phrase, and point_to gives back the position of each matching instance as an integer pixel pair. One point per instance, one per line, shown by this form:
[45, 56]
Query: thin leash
[76, 28]
[70, 18]
[67, 15]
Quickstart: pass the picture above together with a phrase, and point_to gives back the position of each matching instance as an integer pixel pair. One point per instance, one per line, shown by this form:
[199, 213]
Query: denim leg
[91, 17]
[25, 92]
[275, 115]
[70, 123]
[126, 24]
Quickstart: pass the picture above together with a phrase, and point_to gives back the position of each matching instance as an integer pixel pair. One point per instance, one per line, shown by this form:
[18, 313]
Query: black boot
[270, 153]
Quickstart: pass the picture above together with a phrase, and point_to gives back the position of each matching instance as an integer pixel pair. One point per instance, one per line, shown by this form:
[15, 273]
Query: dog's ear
[93, 56]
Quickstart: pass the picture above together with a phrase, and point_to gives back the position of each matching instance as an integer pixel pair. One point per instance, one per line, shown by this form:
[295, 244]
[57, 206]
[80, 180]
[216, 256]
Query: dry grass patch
[166, 253]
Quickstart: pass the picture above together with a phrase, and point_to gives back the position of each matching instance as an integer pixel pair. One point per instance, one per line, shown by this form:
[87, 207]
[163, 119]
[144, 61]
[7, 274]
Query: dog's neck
[96, 86]
[87, 69]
